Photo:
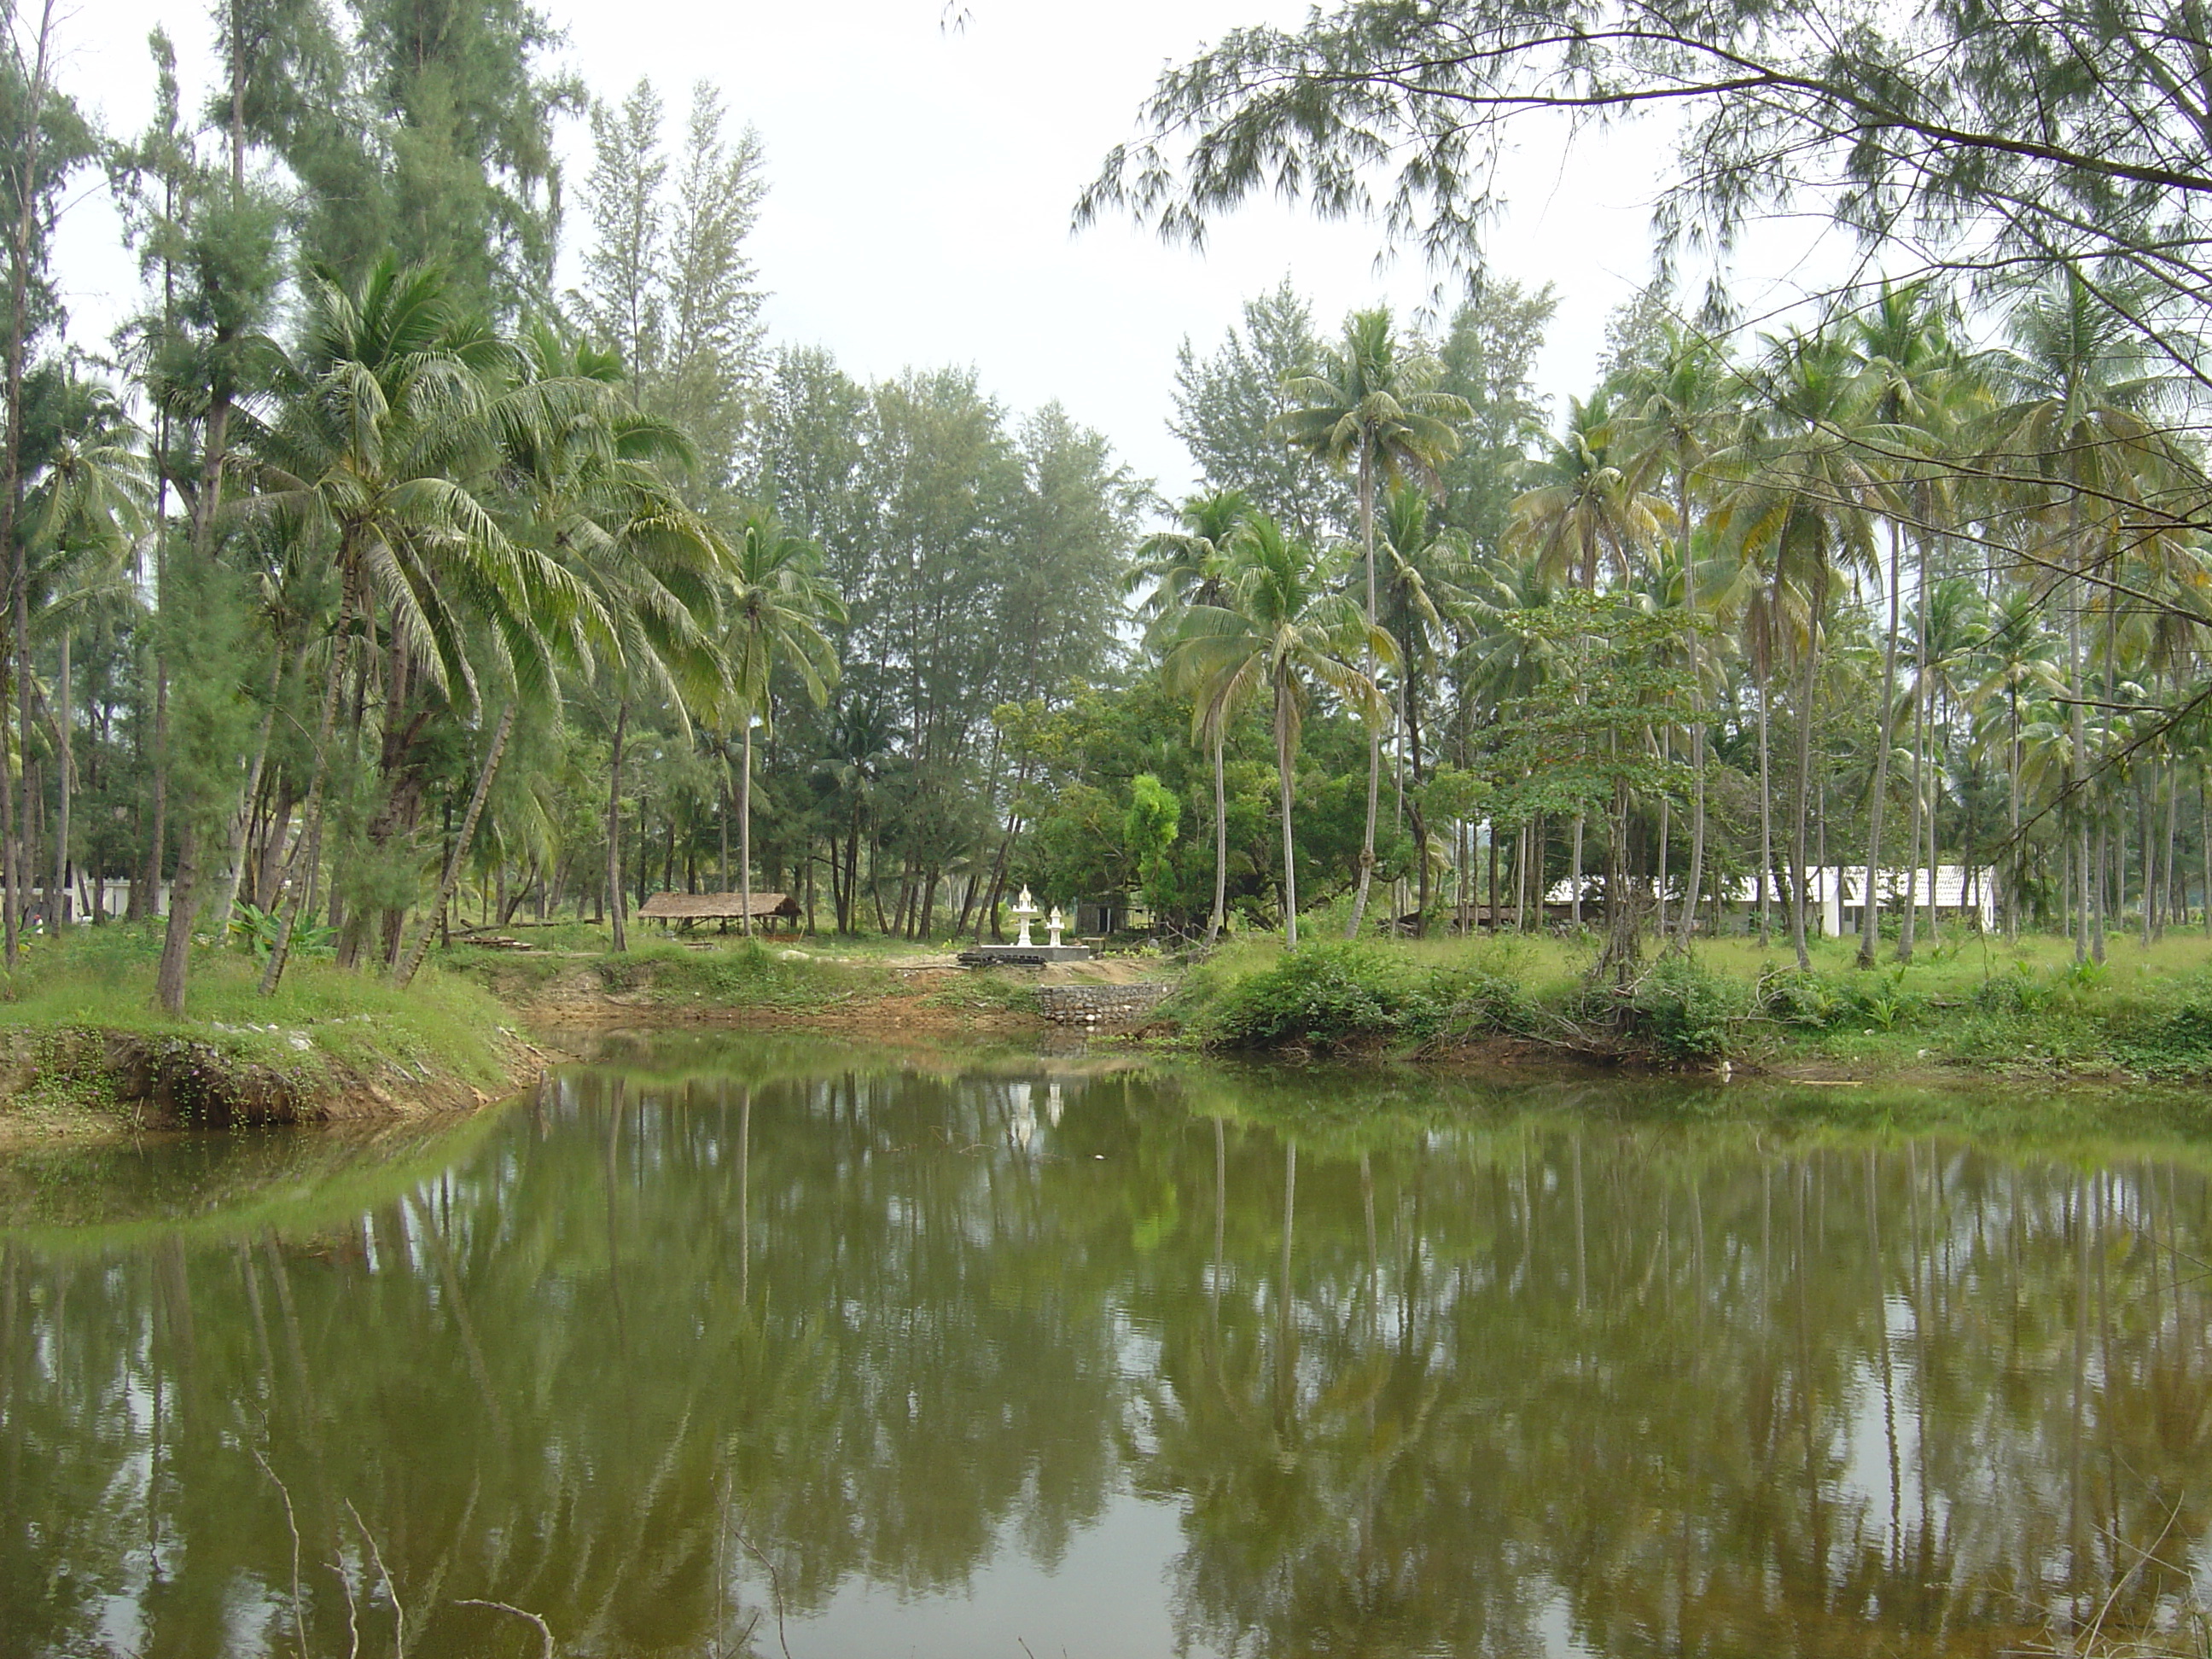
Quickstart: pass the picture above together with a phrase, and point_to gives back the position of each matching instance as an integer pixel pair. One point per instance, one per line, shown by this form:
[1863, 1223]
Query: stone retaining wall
[1101, 1005]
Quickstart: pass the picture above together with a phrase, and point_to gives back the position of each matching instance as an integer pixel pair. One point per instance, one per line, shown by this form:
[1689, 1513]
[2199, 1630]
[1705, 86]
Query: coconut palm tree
[1584, 507]
[1372, 411]
[584, 481]
[392, 399]
[1805, 511]
[1585, 510]
[859, 752]
[1180, 569]
[82, 512]
[2076, 432]
[1428, 571]
[2013, 667]
[777, 606]
[1176, 569]
[1282, 627]
[1678, 407]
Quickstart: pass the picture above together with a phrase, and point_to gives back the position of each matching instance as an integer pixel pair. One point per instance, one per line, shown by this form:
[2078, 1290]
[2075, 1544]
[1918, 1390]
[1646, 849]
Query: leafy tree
[1283, 630]
[1228, 405]
[1148, 838]
[1372, 410]
[778, 608]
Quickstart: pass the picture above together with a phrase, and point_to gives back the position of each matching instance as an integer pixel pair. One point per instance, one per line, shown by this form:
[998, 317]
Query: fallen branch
[291, 1521]
[544, 1630]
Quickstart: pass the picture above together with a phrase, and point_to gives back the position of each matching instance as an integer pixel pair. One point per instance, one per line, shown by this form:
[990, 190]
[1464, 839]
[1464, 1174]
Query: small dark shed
[723, 907]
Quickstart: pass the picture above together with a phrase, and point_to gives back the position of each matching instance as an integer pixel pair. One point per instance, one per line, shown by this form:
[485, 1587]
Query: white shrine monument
[1025, 951]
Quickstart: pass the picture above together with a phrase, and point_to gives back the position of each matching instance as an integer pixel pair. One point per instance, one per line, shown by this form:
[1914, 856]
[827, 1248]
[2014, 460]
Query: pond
[736, 1345]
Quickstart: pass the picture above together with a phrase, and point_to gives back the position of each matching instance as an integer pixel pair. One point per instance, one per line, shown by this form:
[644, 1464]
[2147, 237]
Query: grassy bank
[1967, 1002]
[82, 1044]
[731, 978]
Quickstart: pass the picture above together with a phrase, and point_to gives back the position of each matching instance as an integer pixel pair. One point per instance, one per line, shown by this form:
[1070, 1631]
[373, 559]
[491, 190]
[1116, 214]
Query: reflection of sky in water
[1101, 1600]
[984, 1363]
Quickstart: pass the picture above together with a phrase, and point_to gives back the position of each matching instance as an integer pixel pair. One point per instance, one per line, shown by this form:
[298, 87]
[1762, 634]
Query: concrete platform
[1023, 955]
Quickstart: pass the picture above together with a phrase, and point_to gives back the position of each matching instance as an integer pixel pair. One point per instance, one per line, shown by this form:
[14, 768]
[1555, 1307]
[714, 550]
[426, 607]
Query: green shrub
[2168, 1034]
[1880, 1002]
[1798, 997]
[1689, 1012]
[1325, 995]
[1477, 1001]
[2017, 993]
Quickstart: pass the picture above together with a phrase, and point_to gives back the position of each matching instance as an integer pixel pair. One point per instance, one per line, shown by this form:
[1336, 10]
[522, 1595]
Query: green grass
[1965, 1001]
[101, 979]
[728, 972]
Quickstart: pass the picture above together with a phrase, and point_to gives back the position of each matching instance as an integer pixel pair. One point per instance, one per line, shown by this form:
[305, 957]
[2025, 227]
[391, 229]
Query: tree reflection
[1415, 1381]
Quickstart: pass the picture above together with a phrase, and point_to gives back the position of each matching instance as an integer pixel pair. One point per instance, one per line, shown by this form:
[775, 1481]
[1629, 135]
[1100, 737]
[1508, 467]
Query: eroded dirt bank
[85, 1083]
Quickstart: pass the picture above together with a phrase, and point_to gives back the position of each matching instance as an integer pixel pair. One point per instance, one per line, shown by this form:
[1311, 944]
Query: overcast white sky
[921, 186]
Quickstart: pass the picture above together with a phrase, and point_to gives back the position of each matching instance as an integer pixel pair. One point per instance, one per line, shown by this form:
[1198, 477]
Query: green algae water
[730, 1346]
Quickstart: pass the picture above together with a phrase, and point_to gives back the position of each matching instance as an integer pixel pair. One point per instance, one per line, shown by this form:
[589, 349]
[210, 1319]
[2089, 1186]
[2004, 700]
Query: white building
[1961, 895]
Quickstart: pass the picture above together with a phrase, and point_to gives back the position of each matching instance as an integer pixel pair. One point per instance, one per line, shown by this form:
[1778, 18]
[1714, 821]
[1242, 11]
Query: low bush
[1687, 1011]
[1801, 999]
[1479, 1002]
[2167, 1032]
[2017, 993]
[1325, 995]
[746, 974]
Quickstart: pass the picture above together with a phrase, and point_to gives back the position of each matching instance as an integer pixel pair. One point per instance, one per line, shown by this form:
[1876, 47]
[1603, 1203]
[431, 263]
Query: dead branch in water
[544, 1630]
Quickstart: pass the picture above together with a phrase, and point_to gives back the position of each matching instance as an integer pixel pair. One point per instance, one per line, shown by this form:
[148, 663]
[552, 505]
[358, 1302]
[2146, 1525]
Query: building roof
[715, 907]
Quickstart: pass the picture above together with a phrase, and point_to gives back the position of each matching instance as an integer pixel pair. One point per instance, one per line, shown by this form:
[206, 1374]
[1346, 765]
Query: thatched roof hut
[724, 907]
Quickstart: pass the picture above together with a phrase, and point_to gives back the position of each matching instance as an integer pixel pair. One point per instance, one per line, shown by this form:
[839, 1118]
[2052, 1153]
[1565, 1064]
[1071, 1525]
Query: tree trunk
[1766, 829]
[309, 841]
[65, 781]
[1574, 877]
[16, 874]
[1870, 916]
[242, 820]
[169, 979]
[1808, 681]
[617, 899]
[2204, 844]
[1219, 916]
[1666, 804]
[457, 854]
[1374, 732]
[746, 828]
[1907, 923]
[1283, 781]
[1697, 876]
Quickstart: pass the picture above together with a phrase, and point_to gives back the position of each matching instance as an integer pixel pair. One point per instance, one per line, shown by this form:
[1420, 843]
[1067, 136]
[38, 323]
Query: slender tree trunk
[1666, 804]
[170, 976]
[1766, 829]
[1870, 916]
[2204, 845]
[1906, 923]
[308, 843]
[1574, 877]
[1698, 736]
[16, 874]
[457, 854]
[242, 820]
[1492, 917]
[1523, 845]
[1283, 780]
[1374, 732]
[1808, 681]
[746, 828]
[2018, 854]
[2173, 838]
[65, 779]
[616, 898]
[1219, 916]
